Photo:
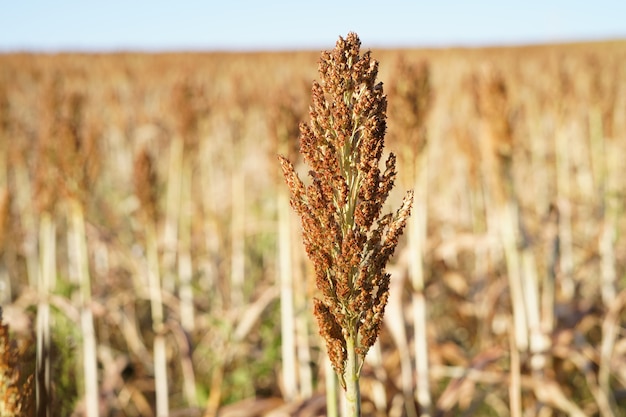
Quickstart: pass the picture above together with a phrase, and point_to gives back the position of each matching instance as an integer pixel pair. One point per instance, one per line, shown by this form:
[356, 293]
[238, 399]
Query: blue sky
[156, 25]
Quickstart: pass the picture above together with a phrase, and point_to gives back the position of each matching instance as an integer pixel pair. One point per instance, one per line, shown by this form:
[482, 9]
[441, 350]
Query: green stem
[332, 410]
[351, 377]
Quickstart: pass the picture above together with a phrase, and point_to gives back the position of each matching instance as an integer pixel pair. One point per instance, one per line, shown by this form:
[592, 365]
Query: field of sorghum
[149, 260]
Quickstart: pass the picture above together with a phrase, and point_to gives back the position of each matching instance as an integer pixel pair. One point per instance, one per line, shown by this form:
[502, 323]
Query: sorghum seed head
[344, 235]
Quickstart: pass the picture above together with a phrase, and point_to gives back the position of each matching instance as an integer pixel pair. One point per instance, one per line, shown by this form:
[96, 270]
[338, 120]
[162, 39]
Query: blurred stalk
[610, 331]
[156, 308]
[185, 274]
[609, 207]
[145, 184]
[378, 394]
[237, 119]
[303, 348]
[492, 100]
[185, 268]
[284, 118]
[79, 262]
[172, 214]
[564, 193]
[539, 340]
[411, 100]
[5, 218]
[417, 240]
[548, 287]
[515, 384]
[210, 227]
[237, 230]
[5, 211]
[24, 192]
[287, 314]
[508, 237]
[331, 386]
[46, 278]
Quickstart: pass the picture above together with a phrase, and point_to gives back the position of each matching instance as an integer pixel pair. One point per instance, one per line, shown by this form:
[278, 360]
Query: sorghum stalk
[345, 235]
[413, 96]
[178, 217]
[145, 181]
[77, 138]
[281, 123]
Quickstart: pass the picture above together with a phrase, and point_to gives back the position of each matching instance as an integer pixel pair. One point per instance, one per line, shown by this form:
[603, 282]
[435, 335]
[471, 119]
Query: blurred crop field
[149, 259]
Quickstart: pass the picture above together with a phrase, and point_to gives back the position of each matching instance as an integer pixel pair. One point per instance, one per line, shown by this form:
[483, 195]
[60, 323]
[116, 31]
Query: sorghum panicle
[344, 234]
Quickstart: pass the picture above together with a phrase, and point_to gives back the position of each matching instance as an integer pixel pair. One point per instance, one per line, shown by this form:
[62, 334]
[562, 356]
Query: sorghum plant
[412, 96]
[15, 390]
[345, 236]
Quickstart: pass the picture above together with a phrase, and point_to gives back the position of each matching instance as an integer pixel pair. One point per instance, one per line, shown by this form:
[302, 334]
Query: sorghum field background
[144, 231]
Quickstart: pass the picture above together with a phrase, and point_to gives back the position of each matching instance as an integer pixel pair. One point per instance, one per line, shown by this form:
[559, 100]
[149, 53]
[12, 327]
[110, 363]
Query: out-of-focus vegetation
[162, 169]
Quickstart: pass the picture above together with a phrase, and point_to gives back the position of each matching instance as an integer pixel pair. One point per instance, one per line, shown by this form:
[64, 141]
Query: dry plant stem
[524, 290]
[539, 341]
[5, 282]
[80, 262]
[301, 302]
[145, 181]
[394, 322]
[184, 348]
[610, 211]
[172, 214]
[27, 217]
[215, 393]
[176, 242]
[377, 389]
[303, 350]
[4, 157]
[185, 267]
[237, 266]
[523, 282]
[332, 402]
[515, 384]
[45, 287]
[563, 165]
[287, 325]
[417, 241]
[412, 94]
[610, 331]
[548, 287]
[185, 273]
[5, 209]
[156, 306]
[208, 173]
[508, 235]
[284, 124]
[497, 143]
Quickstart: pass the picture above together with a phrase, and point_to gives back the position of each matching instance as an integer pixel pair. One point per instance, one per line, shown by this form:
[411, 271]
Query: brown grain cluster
[15, 390]
[492, 105]
[284, 118]
[68, 145]
[412, 97]
[345, 235]
[146, 184]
